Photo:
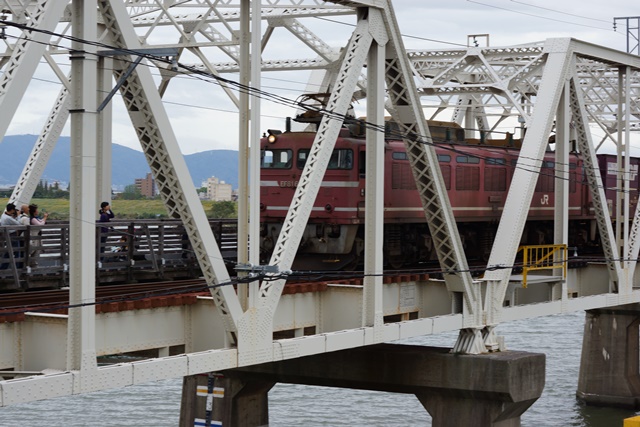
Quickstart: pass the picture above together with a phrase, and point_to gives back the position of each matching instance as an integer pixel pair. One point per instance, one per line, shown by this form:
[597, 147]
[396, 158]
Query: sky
[203, 117]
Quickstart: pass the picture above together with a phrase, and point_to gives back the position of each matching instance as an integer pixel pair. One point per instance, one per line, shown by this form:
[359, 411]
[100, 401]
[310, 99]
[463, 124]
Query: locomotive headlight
[328, 207]
[273, 135]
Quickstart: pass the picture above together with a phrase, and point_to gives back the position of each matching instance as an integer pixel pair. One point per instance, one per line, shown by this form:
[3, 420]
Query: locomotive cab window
[468, 159]
[340, 159]
[495, 161]
[276, 159]
[362, 163]
[546, 177]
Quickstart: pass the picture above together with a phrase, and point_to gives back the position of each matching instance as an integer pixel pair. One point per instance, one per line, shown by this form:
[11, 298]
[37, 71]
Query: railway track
[115, 298]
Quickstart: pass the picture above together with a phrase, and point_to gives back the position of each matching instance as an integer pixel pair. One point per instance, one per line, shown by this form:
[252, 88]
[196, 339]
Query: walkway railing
[543, 257]
[38, 256]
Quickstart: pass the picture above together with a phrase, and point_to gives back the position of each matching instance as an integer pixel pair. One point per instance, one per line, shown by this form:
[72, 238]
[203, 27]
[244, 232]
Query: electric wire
[539, 16]
[241, 87]
[403, 35]
[561, 12]
[249, 90]
[311, 276]
[262, 94]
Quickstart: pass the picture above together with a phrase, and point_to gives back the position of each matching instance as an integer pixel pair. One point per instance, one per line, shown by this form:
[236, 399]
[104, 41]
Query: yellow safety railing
[543, 257]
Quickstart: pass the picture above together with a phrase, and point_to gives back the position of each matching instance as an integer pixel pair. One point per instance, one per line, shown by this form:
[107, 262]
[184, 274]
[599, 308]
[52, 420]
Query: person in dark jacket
[105, 215]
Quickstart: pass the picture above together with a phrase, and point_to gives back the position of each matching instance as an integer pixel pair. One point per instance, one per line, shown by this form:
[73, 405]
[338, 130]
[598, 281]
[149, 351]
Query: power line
[311, 276]
[403, 35]
[537, 16]
[208, 77]
[559, 11]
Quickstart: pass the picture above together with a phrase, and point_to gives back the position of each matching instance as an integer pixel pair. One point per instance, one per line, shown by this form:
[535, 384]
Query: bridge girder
[483, 87]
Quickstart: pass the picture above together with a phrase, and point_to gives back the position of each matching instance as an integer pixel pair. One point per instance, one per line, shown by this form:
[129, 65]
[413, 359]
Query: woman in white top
[35, 244]
[33, 214]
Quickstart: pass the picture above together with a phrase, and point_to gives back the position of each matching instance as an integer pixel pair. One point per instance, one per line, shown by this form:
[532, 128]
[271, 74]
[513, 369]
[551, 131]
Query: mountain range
[128, 164]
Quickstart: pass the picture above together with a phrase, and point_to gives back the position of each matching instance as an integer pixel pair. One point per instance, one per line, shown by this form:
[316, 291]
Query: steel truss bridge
[576, 89]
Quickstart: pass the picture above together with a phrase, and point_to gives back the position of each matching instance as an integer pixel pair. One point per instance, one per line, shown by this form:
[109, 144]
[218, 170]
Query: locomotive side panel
[477, 179]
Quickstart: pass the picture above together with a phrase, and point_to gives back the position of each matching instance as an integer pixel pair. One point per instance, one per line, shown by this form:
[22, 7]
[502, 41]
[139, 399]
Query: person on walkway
[36, 244]
[23, 218]
[106, 214]
[10, 217]
[34, 219]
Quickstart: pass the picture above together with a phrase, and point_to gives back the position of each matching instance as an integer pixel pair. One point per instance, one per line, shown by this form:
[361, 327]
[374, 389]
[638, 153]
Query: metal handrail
[543, 257]
[37, 256]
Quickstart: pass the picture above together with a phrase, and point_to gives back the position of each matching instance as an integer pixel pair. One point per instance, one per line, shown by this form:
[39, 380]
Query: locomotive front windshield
[276, 159]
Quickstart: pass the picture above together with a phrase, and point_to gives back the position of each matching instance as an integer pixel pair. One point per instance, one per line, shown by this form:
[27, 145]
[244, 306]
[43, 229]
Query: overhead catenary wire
[263, 94]
[560, 12]
[539, 16]
[205, 76]
[202, 75]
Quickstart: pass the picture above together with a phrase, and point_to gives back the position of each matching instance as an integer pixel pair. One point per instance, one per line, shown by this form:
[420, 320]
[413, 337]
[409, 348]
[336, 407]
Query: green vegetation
[131, 192]
[221, 210]
[127, 209]
[53, 191]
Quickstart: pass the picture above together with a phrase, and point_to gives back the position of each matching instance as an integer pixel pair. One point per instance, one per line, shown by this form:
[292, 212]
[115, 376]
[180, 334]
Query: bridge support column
[233, 402]
[609, 364]
[483, 390]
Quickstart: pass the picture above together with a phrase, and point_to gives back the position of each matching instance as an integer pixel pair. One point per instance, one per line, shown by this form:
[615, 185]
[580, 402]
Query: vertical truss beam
[25, 56]
[81, 333]
[243, 147]
[592, 173]
[525, 176]
[249, 148]
[103, 130]
[562, 171]
[167, 163]
[372, 313]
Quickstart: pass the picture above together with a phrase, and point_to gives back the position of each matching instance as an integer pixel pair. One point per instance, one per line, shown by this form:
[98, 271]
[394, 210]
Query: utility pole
[632, 24]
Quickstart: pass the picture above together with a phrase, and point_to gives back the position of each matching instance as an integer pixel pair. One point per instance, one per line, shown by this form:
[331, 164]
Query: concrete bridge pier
[609, 365]
[492, 389]
[213, 400]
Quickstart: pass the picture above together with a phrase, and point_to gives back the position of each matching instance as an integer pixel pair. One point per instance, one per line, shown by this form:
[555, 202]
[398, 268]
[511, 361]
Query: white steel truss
[523, 87]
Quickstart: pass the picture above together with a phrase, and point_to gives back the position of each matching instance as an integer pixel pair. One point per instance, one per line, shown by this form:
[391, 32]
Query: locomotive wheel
[396, 262]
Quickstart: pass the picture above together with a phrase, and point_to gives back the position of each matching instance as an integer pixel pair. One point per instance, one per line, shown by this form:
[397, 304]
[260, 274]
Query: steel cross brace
[27, 52]
[254, 329]
[141, 53]
[168, 166]
[596, 188]
[407, 112]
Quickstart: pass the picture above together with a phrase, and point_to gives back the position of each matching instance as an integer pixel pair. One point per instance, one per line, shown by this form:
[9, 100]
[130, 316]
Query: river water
[158, 404]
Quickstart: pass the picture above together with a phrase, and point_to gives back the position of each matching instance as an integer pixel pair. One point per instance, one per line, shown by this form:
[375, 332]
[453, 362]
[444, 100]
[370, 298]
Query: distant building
[218, 190]
[147, 186]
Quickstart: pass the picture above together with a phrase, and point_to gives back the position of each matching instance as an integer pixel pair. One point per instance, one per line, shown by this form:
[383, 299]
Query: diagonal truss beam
[42, 150]
[407, 112]
[311, 177]
[525, 176]
[167, 163]
[25, 56]
[596, 188]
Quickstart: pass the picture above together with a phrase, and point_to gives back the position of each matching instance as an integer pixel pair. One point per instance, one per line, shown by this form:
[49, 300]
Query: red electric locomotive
[477, 177]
